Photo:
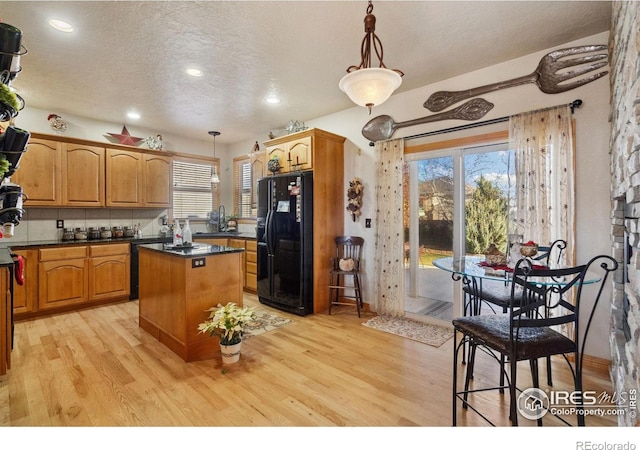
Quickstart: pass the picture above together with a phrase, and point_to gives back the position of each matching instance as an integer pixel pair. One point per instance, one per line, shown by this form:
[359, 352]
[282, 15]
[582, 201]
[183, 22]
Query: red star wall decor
[125, 138]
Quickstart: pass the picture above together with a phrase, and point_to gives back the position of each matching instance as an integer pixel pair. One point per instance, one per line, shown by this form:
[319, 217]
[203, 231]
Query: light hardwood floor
[98, 368]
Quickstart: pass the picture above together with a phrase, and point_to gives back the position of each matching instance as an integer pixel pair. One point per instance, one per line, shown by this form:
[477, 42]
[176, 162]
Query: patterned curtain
[390, 231]
[543, 144]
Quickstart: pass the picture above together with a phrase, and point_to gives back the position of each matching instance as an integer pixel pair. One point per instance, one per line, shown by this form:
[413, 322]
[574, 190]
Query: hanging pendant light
[214, 171]
[365, 85]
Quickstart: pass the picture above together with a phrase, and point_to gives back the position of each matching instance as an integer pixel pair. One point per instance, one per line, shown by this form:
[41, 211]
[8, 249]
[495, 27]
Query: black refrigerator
[285, 242]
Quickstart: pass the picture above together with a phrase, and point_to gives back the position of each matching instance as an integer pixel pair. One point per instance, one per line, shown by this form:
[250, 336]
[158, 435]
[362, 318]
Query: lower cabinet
[249, 258]
[62, 277]
[25, 296]
[68, 277]
[5, 321]
[109, 267]
[251, 266]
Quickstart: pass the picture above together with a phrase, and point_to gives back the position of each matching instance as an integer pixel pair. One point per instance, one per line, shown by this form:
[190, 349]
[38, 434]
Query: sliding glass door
[457, 202]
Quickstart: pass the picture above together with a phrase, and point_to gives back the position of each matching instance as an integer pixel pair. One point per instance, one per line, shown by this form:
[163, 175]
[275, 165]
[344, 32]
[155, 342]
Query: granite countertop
[144, 240]
[195, 250]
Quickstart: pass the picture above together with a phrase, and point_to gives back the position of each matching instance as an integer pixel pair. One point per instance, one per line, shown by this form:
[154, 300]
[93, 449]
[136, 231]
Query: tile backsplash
[39, 224]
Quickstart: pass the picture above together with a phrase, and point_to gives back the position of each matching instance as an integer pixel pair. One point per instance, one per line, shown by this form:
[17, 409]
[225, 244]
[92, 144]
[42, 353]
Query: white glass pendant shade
[370, 87]
[214, 176]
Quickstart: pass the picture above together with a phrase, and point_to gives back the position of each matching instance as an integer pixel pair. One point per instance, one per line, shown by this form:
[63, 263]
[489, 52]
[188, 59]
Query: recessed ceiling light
[194, 72]
[272, 100]
[133, 115]
[61, 25]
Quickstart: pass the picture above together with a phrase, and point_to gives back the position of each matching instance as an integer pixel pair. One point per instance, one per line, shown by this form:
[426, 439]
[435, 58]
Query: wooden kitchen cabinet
[212, 241]
[298, 150]
[124, 178]
[25, 297]
[109, 269]
[83, 169]
[251, 266]
[62, 277]
[40, 173]
[157, 181]
[5, 320]
[137, 179]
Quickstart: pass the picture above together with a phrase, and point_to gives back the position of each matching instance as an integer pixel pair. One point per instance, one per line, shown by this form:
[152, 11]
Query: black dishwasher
[135, 270]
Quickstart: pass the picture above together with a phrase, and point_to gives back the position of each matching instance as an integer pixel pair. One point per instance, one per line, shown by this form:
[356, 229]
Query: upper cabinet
[138, 179]
[40, 173]
[72, 173]
[83, 180]
[124, 178]
[157, 181]
[293, 154]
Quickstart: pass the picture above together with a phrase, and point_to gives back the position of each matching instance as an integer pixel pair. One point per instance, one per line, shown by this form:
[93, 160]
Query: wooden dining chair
[528, 331]
[346, 263]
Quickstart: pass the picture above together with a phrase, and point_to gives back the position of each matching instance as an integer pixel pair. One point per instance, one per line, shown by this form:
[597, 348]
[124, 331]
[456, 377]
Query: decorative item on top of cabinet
[57, 123]
[125, 137]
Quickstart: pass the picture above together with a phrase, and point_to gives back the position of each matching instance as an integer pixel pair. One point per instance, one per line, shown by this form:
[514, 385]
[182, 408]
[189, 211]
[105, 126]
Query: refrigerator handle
[267, 231]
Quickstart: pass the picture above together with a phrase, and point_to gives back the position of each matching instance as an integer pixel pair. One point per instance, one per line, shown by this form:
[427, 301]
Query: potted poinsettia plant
[228, 322]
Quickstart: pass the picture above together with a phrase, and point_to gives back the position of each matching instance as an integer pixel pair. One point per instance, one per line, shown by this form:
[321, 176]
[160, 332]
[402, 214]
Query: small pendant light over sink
[365, 85]
[214, 171]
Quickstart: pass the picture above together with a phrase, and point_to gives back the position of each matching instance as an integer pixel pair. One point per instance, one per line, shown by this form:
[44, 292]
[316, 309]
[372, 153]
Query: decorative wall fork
[547, 76]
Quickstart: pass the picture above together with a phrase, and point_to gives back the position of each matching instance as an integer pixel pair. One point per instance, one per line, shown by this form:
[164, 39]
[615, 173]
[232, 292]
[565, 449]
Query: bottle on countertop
[187, 236]
[177, 233]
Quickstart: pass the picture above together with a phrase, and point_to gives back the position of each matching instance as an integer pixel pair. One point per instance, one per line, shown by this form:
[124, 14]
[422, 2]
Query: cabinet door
[62, 283]
[300, 153]
[83, 183]
[109, 277]
[25, 297]
[5, 321]
[251, 266]
[157, 179]
[279, 151]
[258, 171]
[40, 173]
[124, 178]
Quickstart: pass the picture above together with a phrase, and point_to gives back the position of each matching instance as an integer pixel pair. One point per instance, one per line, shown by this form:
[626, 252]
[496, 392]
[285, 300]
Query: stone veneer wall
[624, 50]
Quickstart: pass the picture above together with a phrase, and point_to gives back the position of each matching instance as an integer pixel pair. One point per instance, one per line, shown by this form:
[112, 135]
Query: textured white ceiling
[132, 54]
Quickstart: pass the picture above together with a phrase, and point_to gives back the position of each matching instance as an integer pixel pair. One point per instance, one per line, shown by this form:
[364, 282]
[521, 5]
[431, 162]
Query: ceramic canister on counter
[105, 233]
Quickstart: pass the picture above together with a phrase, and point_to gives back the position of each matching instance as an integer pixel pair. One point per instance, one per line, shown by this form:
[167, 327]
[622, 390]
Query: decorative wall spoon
[382, 127]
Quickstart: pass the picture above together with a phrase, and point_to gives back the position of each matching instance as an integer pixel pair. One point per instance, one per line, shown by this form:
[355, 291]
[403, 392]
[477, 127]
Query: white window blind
[243, 180]
[193, 193]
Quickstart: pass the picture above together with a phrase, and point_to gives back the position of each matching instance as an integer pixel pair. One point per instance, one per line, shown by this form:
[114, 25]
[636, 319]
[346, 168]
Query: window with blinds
[243, 197]
[194, 196]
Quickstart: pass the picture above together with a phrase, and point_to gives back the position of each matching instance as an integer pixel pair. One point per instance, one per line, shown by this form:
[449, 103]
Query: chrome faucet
[222, 220]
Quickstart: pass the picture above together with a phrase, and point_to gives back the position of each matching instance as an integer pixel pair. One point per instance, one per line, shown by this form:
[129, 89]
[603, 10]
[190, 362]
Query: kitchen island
[178, 285]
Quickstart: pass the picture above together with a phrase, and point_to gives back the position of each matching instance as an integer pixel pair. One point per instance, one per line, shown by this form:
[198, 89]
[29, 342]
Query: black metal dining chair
[529, 329]
[497, 296]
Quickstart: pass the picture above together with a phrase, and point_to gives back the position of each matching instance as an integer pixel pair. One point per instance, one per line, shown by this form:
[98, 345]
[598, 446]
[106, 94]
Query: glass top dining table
[471, 267]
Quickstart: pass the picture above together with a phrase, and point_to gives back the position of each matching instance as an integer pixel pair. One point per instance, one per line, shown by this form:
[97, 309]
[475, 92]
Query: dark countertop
[197, 250]
[23, 244]
[145, 240]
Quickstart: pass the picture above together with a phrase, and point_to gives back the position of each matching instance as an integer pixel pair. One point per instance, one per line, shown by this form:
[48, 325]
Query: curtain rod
[573, 105]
